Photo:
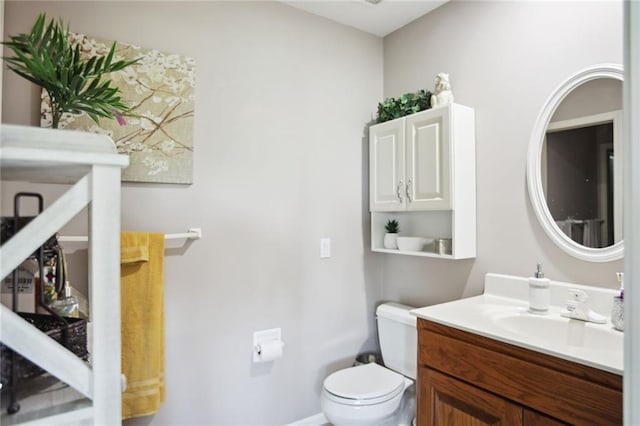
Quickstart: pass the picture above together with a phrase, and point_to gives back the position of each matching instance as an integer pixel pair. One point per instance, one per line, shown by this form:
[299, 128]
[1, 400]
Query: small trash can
[368, 357]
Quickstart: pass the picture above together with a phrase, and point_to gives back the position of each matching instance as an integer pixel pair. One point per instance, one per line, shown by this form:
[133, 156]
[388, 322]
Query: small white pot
[390, 241]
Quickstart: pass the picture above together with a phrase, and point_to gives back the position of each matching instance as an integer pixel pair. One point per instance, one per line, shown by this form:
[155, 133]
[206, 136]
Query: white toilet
[370, 394]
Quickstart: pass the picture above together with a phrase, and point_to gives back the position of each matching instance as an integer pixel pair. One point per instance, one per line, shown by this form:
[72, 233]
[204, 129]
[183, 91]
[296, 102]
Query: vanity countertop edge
[508, 295]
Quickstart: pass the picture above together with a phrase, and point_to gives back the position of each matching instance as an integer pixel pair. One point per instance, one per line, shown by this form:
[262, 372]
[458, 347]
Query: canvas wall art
[158, 133]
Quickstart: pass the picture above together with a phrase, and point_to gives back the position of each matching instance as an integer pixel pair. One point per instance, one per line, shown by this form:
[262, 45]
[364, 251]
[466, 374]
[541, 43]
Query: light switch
[325, 248]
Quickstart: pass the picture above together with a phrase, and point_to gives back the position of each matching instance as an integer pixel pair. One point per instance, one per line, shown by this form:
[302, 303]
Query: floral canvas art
[158, 132]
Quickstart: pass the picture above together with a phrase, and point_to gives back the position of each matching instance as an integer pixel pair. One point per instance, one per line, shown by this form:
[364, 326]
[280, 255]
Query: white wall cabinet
[422, 173]
[90, 165]
[409, 163]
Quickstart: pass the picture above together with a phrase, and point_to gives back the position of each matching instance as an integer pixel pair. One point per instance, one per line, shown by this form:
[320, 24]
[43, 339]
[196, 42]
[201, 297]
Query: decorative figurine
[442, 94]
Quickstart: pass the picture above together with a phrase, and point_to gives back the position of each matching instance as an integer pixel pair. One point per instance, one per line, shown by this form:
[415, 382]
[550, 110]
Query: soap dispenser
[539, 294]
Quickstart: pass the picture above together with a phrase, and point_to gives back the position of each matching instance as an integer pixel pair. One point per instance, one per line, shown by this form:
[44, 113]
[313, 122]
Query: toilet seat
[366, 384]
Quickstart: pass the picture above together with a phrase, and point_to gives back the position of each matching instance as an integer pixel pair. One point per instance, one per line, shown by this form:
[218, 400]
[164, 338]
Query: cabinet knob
[399, 190]
[408, 190]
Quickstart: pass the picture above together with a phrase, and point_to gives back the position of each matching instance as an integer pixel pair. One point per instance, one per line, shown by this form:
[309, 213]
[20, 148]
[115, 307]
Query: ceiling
[380, 19]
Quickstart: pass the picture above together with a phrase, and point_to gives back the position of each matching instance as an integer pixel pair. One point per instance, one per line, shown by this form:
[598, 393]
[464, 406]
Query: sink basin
[554, 330]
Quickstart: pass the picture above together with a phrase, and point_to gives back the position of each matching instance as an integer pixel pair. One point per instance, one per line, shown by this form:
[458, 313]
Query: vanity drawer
[564, 390]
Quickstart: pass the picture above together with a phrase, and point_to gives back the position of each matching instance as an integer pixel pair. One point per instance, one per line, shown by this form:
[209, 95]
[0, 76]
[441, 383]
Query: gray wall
[590, 98]
[282, 102]
[1, 32]
[504, 59]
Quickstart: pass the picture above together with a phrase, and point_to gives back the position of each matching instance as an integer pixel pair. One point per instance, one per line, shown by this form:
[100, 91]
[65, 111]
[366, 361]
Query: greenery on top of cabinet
[409, 103]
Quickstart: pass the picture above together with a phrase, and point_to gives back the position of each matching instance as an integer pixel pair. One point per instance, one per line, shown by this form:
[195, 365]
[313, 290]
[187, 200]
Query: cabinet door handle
[408, 190]
[399, 191]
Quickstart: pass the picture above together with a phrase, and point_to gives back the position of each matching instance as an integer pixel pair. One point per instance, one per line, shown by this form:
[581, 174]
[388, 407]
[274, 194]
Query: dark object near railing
[69, 332]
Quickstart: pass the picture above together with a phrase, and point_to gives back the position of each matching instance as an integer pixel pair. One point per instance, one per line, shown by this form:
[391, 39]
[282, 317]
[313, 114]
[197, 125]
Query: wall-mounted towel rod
[191, 234]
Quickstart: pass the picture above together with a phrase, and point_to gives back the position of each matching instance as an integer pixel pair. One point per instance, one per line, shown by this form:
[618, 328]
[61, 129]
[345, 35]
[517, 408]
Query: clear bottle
[66, 306]
[539, 293]
[617, 309]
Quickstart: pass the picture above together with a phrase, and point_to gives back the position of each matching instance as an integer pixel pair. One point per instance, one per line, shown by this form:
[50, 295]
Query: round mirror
[574, 167]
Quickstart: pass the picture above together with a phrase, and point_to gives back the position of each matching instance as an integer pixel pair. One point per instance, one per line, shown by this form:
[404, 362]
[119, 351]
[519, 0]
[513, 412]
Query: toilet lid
[367, 381]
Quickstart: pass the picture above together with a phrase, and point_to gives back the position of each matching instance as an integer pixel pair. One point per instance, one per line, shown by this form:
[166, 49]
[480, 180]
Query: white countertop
[501, 313]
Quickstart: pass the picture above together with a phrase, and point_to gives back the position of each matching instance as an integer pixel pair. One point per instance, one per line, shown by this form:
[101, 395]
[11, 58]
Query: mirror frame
[534, 160]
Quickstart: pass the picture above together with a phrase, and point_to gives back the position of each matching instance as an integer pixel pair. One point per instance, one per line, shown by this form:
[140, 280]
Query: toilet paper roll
[269, 350]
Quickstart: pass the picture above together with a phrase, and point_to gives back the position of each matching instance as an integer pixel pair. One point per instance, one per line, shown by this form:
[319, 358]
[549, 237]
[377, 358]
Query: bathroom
[283, 101]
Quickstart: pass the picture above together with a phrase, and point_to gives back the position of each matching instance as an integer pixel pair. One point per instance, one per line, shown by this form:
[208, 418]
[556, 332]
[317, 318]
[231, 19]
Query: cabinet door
[386, 166]
[445, 401]
[428, 178]
[533, 418]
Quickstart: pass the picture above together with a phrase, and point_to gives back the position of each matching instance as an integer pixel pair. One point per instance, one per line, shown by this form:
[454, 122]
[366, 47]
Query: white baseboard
[316, 420]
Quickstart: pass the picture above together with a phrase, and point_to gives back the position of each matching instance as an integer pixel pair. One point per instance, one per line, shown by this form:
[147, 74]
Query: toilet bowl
[371, 394]
[368, 394]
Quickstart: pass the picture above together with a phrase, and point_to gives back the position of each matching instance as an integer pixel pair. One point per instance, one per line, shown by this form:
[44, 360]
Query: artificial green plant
[392, 226]
[406, 104]
[47, 57]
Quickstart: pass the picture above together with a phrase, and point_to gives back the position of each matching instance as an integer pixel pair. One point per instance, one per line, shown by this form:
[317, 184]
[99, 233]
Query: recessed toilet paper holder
[267, 345]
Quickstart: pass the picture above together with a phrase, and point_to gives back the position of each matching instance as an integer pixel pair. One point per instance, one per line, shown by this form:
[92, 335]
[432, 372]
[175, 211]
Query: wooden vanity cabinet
[468, 379]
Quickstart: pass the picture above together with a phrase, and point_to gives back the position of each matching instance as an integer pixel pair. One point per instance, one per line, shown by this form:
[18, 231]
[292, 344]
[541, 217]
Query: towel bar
[191, 234]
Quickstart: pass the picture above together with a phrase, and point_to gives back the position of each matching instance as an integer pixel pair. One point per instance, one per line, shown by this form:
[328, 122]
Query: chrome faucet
[577, 308]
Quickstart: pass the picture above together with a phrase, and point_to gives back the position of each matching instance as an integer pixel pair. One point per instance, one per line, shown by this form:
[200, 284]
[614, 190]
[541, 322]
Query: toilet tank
[398, 338]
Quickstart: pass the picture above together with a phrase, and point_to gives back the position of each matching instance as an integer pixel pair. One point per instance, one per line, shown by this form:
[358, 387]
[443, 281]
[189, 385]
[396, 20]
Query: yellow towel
[134, 247]
[142, 305]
